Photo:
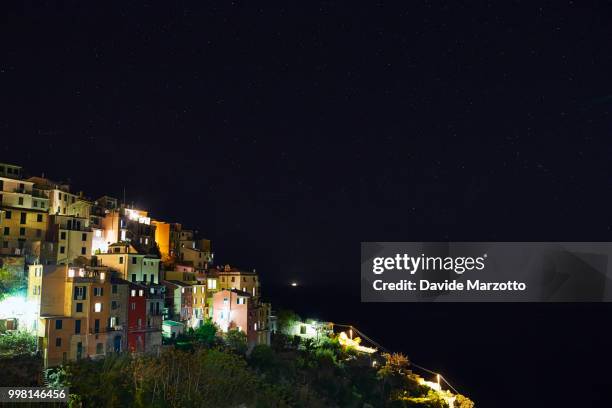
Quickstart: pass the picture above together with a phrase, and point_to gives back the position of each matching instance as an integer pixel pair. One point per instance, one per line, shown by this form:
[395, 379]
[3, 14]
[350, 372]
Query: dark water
[500, 355]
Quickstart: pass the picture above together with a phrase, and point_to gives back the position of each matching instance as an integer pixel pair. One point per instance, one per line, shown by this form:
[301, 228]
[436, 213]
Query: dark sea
[499, 355]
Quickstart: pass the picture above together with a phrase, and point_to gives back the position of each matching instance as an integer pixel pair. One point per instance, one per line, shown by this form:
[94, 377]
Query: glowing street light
[294, 284]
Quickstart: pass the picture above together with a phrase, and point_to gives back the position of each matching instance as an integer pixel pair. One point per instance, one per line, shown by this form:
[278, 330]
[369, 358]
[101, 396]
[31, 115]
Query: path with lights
[439, 377]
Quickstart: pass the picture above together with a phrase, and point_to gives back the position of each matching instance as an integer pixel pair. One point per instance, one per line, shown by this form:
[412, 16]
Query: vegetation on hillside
[204, 369]
[20, 367]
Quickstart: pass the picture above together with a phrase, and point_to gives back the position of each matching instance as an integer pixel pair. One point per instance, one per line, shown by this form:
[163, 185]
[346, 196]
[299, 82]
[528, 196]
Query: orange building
[79, 312]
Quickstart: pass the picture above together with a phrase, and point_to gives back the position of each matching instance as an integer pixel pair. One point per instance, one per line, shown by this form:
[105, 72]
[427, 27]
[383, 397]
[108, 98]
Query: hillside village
[98, 280]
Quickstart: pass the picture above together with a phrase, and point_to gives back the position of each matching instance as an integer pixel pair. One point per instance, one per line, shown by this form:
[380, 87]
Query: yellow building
[200, 304]
[130, 265]
[234, 278]
[61, 200]
[22, 231]
[23, 215]
[75, 312]
[69, 238]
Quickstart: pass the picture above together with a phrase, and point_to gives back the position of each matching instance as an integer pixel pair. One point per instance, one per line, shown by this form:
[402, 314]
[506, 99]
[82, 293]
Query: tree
[463, 402]
[236, 340]
[206, 334]
[286, 319]
[279, 341]
[262, 357]
[16, 343]
[392, 374]
[204, 378]
[57, 377]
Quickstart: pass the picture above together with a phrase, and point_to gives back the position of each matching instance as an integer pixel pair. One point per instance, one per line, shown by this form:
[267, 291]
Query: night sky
[289, 134]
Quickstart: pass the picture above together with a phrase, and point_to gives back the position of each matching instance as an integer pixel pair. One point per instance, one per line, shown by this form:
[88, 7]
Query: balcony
[144, 329]
[103, 330]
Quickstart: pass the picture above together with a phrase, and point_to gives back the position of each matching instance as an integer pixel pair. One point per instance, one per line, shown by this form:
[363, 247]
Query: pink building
[234, 309]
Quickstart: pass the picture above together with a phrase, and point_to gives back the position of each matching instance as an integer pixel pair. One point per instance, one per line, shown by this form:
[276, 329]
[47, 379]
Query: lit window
[98, 307]
[140, 292]
[71, 273]
[255, 326]
[102, 275]
[133, 292]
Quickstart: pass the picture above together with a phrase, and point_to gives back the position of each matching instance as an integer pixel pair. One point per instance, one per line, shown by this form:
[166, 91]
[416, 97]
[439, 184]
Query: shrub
[236, 340]
[16, 343]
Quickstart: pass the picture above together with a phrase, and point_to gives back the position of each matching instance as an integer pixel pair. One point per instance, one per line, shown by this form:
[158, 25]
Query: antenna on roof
[124, 195]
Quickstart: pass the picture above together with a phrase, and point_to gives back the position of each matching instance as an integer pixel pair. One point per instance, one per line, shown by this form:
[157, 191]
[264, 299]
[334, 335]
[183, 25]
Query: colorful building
[137, 315]
[131, 225]
[73, 307]
[234, 278]
[130, 264]
[94, 273]
[23, 215]
[235, 309]
[167, 237]
[178, 300]
[68, 238]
